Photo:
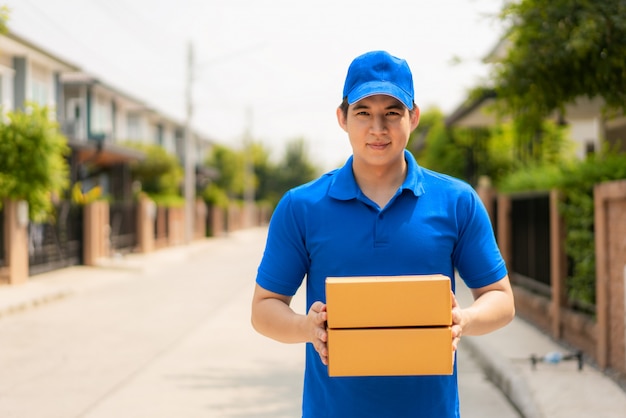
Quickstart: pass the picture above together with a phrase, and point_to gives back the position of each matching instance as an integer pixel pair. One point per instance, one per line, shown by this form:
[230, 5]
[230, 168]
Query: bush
[33, 165]
[160, 173]
[577, 182]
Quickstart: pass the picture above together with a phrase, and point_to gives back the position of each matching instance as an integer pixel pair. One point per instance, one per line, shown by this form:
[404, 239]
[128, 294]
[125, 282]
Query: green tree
[4, 19]
[462, 152]
[159, 173]
[295, 167]
[561, 50]
[33, 165]
[271, 180]
[228, 165]
[264, 173]
[438, 150]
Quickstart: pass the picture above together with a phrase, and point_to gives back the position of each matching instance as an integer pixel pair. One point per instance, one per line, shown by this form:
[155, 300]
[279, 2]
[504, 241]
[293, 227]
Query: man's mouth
[378, 146]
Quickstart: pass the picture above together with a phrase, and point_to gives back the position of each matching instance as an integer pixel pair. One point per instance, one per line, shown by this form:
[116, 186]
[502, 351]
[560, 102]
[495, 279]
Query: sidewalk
[547, 391]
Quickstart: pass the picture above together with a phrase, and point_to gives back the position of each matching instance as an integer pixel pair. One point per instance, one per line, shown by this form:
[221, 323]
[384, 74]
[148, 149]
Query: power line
[123, 14]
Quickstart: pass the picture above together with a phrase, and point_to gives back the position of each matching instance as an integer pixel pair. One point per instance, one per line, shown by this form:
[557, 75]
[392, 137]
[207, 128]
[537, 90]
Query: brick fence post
[16, 242]
[96, 232]
[610, 230]
[146, 215]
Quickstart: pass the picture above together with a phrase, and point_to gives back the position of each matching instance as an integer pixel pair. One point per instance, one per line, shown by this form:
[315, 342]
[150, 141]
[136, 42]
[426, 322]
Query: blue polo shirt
[435, 224]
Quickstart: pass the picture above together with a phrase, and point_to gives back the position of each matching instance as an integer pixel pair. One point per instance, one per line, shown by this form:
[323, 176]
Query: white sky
[274, 68]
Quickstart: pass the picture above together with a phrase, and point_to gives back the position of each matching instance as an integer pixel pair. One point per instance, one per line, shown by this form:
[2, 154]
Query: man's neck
[380, 183]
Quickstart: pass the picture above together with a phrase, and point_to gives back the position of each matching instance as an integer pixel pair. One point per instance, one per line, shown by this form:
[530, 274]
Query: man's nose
[378, 124]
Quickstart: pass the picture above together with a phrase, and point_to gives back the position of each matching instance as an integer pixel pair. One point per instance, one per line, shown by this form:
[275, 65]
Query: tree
[295, 168]
[264, 173]
[561, 50]
[4, 19]
[160, 173]
[33, 165]
[270, 180]
[229, 166]
[438, 151]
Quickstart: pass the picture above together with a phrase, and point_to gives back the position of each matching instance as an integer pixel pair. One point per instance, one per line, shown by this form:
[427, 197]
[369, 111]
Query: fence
[58, 243]
[161, 227]
[123, 218]
[531, 235]
[530, 241]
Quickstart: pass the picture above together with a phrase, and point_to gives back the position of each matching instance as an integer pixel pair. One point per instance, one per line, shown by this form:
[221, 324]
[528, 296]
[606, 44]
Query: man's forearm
[275, 319]
[492, 309]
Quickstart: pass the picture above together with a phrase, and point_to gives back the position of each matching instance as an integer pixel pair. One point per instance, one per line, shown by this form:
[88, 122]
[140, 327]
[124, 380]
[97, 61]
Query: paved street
[167, 335]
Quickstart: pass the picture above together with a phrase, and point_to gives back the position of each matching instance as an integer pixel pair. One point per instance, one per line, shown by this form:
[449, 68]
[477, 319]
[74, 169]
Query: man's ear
[341, 119]
[415, 118]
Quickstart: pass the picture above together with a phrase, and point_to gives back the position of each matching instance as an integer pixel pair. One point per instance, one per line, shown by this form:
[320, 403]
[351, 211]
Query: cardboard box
[388, 301]
[390, 352]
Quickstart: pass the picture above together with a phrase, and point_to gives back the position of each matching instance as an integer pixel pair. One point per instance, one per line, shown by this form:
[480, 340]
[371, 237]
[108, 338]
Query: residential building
[589, 128]
[29, 74]
[99, 120]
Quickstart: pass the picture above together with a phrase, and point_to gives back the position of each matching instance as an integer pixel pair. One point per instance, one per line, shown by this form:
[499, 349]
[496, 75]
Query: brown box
[389, 325]
[390, 352]
[388, 301]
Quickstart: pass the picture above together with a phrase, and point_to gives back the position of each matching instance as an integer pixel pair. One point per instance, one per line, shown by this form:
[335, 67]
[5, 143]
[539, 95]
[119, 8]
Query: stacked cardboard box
[389, 325]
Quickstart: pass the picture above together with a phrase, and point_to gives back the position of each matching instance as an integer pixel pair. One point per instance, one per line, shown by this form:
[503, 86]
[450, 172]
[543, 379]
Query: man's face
[378, 127]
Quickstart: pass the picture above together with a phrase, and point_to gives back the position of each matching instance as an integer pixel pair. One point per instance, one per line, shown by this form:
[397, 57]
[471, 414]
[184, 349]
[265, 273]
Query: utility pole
[189, 160]
[248, 192]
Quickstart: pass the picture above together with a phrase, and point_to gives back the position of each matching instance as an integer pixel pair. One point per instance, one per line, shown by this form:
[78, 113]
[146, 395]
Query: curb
[500, 371]
[33, 302]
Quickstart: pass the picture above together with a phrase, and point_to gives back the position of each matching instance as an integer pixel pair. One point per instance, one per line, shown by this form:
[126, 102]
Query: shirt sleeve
[285, 259]
[477, 257]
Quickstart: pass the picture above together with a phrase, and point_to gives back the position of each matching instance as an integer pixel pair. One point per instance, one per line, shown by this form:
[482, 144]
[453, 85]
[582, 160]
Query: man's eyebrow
[360, 106]
[393, 106]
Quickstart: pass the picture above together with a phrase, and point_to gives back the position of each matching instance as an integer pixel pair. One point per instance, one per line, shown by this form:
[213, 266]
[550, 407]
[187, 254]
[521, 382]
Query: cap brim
[380, 87]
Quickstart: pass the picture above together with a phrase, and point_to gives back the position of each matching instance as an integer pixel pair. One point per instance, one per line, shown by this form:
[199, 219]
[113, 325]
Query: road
[169, 339]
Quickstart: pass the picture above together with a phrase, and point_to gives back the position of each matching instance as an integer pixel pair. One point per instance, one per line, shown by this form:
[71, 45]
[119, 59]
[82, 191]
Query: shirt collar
[344, 186]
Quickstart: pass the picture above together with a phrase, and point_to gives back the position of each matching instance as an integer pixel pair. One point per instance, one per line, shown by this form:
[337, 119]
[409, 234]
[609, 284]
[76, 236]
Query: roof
[104, 153]
[21, 45]
[473, 112]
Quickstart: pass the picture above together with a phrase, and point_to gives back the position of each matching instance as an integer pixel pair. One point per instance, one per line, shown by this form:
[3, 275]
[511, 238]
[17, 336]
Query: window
[6, 88]
[41, 84]
[134, 127]
[101, 116]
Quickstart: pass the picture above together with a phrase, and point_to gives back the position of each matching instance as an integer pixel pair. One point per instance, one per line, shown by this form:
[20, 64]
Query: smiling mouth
[378, 146]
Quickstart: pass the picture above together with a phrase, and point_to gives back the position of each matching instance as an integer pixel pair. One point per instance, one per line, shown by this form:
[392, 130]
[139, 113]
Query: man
[379, 215]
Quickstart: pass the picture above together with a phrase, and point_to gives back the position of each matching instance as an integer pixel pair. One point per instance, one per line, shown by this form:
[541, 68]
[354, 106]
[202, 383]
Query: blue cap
[378, 72]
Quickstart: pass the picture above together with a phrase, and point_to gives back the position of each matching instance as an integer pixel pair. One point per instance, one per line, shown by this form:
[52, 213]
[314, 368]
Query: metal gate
[123, 218]
[530, 217]
[58, 243]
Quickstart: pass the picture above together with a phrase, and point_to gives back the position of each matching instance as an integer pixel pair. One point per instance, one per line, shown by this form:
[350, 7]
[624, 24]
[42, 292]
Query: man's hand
[493, 308]
[318, 336]
[457, 322]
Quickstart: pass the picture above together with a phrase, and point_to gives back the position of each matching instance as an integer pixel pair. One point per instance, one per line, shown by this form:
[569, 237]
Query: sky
[272, 70]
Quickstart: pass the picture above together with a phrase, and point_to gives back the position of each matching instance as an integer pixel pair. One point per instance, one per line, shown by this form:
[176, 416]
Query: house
[98, 119]
[29, 74]
[589, 128]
